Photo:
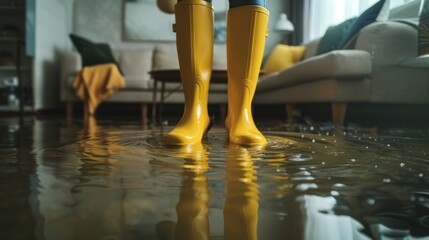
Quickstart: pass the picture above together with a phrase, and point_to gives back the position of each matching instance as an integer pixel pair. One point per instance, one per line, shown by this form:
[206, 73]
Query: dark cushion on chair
[93, 53]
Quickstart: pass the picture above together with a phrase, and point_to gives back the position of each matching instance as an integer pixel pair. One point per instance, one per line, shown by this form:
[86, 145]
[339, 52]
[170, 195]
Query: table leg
[155, 86]
[161, 106]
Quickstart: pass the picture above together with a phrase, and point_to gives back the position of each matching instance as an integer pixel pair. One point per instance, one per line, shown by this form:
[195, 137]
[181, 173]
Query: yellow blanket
[96, 83]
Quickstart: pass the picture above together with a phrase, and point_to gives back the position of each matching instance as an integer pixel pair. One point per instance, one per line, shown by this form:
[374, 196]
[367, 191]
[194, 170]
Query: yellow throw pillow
[282, 57]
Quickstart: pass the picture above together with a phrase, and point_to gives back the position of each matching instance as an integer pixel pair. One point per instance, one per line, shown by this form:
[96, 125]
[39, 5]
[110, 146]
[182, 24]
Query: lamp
[284, 25]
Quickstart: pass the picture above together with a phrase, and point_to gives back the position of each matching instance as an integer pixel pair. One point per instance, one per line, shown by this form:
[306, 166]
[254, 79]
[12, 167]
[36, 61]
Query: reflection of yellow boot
[247, 28]
[194, 29]
[241, 206]
[192, 208]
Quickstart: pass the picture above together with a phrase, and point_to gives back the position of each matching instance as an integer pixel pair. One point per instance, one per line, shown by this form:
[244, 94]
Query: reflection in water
[97, 145]
[241, 205]
[192, 208]
[105, 181]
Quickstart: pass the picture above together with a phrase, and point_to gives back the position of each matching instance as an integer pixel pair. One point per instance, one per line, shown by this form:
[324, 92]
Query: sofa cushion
[136, 64]
[378, 12]
[408, 10]
[338, 64]
[93, 53]
[282, 57]
[165, 57]
[423, 37]
[311, 48]
[333, 37]
[219, 57]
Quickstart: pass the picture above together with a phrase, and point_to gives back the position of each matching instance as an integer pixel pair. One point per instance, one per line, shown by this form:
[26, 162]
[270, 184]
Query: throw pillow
[93, 53]
[423, 37]
[334, 35]
[282, 57]
[378, 12]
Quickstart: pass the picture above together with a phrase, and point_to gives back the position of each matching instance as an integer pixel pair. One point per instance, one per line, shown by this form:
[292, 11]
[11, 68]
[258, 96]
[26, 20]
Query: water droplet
[311, 128]
[314, 140]
[353, 160]
[386, 180]
[366, 147]
[376, 166]
[339, 185]
[326, 147]
[370, 201]
[402, 164]
[335, 193]
[421, 175]
[302, 136]
[323, 163]
[388, 145]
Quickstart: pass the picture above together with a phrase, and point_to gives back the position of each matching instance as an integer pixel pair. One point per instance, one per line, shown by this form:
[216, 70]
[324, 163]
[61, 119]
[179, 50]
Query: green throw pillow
[334, 36]
[93, 53]
[423, 38]
[377, 12]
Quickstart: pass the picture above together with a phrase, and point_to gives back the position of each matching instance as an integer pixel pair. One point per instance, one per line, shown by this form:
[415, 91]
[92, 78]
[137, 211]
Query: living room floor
[115, 179]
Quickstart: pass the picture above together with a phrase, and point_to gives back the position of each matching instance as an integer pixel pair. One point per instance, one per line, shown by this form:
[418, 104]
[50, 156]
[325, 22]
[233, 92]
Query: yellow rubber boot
[242, 200]
[246, 34]
[194, 35]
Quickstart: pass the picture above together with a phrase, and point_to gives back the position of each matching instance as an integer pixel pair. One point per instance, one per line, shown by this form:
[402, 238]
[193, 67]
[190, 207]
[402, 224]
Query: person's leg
[194, 35]
[247, 24]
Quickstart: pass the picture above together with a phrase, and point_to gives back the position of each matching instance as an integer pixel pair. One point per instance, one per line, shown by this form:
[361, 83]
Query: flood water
[116, 180]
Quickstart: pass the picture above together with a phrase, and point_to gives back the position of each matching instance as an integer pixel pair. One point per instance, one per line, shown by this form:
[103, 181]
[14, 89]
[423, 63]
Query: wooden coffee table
[173, 76]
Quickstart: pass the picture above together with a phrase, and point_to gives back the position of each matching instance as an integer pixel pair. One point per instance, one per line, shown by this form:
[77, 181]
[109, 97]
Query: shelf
[11, 39]
[12, 9]
[8, 108]
[13, 68]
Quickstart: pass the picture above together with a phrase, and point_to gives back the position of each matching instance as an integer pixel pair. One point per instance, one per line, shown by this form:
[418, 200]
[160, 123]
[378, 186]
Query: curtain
[296, 17]
[320, 14]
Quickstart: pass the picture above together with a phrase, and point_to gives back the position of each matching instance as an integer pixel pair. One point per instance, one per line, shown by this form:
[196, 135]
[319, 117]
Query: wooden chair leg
[339, 112]
[290, 108]
[144, 113]
[69, 112]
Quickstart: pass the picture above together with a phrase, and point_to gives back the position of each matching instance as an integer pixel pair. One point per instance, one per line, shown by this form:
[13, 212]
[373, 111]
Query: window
[320, 14]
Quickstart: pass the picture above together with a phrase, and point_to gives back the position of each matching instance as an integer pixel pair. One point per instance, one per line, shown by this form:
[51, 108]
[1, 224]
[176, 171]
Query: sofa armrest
[71, 64]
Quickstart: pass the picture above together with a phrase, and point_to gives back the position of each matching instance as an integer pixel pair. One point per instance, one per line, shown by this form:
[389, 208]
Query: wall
[100, 20]
[53, 23]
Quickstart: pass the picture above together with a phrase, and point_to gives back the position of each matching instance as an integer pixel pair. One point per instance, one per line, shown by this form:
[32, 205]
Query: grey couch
[136, 65]
[369, 72]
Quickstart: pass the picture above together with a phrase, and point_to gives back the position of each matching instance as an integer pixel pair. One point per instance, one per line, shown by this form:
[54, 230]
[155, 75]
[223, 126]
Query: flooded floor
[116, 180]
